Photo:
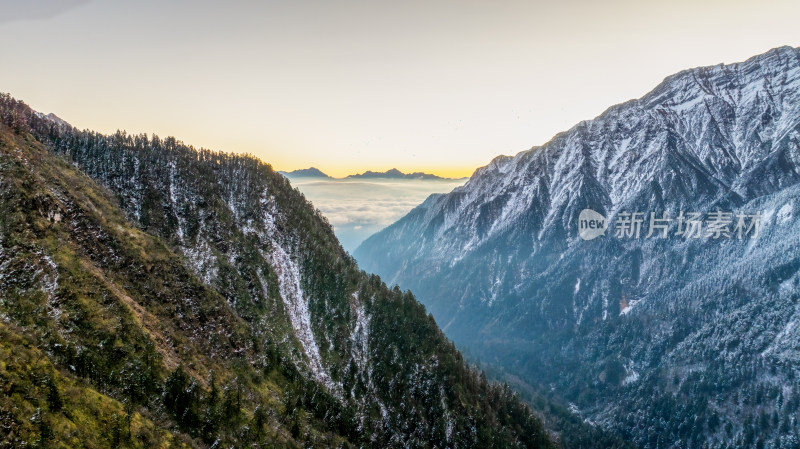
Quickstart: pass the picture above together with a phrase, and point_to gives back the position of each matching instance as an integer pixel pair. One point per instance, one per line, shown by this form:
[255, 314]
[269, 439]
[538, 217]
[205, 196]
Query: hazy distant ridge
[393, 173]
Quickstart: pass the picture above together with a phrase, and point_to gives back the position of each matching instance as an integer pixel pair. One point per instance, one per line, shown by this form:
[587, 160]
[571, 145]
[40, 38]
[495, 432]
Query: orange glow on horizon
[341, 172]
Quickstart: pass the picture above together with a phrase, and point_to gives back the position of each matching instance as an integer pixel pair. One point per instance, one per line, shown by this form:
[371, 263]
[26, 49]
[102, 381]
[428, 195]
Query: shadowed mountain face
[674, 342]
[152, 295]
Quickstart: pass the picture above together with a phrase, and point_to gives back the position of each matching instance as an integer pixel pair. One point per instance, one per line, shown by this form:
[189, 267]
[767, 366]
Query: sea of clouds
[359, 208]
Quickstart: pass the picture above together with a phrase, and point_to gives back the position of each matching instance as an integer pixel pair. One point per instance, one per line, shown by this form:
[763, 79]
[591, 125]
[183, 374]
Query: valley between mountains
[157, 295]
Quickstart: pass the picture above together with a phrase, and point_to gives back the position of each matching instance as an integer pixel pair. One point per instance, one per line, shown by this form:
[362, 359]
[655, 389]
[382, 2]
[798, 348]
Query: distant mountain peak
[311, 172]
[393, 173]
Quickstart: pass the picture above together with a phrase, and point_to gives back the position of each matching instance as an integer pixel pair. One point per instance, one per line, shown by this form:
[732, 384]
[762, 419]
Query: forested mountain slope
[155, 295]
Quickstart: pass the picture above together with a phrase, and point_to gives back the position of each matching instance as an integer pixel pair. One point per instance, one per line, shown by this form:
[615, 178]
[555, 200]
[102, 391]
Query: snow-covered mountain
[675, 341]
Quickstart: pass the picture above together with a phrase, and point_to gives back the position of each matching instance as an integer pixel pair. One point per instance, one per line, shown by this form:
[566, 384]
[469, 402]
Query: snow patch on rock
[360, 335]
[785, 213]
[632, 377]
[296, 304]
[174, 200]
[202, 261]
[50, 285]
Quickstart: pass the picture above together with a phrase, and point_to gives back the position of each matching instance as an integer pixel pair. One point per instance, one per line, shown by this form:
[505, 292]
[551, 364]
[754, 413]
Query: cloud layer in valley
[358, 209]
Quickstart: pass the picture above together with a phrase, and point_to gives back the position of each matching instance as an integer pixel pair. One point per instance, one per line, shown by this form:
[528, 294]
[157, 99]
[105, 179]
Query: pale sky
[349, 86]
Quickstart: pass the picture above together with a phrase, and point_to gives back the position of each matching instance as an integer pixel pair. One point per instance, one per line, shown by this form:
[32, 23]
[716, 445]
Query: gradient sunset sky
[347, 86]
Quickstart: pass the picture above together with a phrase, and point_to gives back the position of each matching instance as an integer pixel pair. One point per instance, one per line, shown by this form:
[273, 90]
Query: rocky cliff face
[675, 342]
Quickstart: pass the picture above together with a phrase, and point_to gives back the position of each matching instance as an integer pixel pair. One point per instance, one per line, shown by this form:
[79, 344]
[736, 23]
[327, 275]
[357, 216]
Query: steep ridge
[193, 298]
[673, 342]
